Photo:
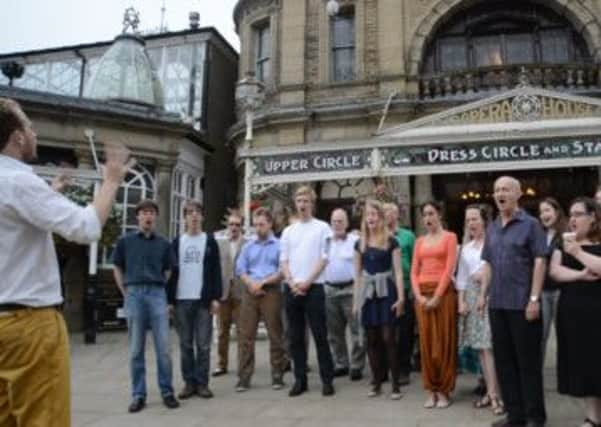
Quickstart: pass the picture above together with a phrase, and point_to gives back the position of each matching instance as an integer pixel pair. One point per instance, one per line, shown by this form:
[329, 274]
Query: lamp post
[332, 7]
[249, 97]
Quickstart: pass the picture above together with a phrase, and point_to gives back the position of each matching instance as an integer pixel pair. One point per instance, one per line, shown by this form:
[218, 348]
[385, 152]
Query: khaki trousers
[34, 369]
[228, 314]
[269, 308]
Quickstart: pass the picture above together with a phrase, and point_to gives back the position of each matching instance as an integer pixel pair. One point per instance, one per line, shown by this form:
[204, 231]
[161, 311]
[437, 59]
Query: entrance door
[457, 191]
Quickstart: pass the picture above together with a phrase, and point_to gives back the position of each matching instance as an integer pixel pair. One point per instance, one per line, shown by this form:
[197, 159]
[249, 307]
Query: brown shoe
[188, 391]
[204, 392]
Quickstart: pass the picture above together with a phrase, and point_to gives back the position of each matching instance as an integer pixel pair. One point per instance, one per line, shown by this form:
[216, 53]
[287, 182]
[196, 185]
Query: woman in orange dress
[434, 259]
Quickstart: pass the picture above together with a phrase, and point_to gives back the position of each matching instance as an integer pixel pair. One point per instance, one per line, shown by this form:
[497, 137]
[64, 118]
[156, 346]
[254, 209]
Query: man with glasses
[258, 266]
[229, 249]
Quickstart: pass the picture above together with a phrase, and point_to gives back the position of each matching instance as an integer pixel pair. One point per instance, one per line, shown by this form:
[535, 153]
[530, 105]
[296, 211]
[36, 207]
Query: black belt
[340, 285]
[16, 307]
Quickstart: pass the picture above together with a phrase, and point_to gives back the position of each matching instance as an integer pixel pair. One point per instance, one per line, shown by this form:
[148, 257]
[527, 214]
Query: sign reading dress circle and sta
[448, 154]
[323, 161]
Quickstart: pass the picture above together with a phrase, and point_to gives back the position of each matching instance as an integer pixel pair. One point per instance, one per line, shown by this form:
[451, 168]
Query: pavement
[101, 396]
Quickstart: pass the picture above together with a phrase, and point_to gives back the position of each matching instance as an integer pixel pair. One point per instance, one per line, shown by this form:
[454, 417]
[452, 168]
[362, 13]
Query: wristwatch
[534, 298]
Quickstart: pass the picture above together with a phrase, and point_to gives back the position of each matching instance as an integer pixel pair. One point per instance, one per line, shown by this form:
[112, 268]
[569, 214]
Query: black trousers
[517, 351]
[299, 309]
[406, 338]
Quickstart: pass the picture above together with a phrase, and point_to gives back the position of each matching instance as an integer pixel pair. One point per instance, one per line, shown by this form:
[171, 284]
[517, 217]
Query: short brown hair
[10, 120]
[193, 205]
[305, 190]
[147, 204]
[265, 213]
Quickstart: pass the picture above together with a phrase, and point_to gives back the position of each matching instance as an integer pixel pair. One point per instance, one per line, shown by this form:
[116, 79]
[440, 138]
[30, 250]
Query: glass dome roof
[125, 73]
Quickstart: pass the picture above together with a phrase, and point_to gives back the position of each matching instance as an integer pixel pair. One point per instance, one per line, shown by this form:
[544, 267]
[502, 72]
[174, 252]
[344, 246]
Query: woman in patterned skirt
[475, 328]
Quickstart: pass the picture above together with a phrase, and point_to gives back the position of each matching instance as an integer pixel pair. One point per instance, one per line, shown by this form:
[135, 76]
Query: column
[163, 194]
[423, 193]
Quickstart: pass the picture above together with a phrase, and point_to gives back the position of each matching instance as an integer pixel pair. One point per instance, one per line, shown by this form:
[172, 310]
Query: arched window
[185, 185]
[139, 184]
[503, 34]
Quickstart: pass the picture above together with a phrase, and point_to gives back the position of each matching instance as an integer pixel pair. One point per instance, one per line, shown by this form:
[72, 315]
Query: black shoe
[204, 392]
[356, 375]
[404, 379]
[219, 371]
[277, 383]
[341, 372]
[136, 406]
[242, 386]
[327, 390]
[297, 389]
[170, 402]
[188, 391]
[506, 423]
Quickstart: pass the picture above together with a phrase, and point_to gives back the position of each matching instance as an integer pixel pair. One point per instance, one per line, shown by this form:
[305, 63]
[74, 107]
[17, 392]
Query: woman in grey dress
[475, 328]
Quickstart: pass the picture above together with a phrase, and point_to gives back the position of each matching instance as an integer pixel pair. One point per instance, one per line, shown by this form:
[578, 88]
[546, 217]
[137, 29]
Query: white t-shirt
[340, 266]
[191, 265]
[303, 245]
[469, 263]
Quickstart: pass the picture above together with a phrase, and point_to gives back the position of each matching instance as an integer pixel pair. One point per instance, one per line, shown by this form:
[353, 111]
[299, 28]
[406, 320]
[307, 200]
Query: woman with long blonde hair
[378, 296]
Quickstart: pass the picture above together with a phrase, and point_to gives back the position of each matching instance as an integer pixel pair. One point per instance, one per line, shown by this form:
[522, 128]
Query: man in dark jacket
[195, 290]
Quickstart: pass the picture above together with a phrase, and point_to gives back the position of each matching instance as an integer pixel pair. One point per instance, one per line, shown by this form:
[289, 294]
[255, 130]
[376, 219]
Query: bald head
[507, 193]
[339, 222]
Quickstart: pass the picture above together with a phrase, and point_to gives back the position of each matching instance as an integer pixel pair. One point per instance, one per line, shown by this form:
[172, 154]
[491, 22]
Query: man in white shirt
[303, 258]
[34, 345]
[339, 299]
[195, 290]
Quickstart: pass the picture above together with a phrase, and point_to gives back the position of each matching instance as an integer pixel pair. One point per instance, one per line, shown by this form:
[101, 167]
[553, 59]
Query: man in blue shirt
[142, 263]
[258, 268]
[514, 269]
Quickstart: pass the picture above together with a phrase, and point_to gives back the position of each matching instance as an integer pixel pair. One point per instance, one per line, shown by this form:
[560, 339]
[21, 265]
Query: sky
[42, 24]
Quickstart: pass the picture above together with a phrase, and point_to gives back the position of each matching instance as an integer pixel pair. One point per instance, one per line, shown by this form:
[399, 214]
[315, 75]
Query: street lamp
[250, 95]
[332, 7]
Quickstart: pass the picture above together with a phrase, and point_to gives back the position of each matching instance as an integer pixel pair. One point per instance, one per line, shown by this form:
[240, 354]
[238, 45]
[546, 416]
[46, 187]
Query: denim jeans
[146, 308]
[549, 309]
[195, 328]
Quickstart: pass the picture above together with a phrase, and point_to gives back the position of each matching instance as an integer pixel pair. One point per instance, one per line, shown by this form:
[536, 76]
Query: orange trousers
[34, 369]
[438, 340]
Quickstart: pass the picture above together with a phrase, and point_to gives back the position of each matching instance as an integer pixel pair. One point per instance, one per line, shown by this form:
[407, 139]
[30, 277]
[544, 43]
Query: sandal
[590, 423]
[484, 402]
[431, 402]
[443, 403]
[497, 406]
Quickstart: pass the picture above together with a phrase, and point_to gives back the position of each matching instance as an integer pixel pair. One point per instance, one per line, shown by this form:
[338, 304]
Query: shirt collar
[141, 234]
[518, 215]
[270, 239]
[12, 163]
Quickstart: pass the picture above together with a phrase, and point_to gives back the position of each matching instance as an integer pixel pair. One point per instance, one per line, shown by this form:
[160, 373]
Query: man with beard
[35, 376]
[514, 271]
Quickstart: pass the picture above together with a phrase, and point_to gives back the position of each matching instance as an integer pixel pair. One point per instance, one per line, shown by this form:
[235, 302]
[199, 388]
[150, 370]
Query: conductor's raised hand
[118, 161]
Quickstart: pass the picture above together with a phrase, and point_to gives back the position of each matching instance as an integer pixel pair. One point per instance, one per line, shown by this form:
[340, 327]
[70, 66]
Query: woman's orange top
[434, 264]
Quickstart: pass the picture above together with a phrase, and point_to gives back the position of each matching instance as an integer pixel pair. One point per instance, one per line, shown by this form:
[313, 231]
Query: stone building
[434, 98]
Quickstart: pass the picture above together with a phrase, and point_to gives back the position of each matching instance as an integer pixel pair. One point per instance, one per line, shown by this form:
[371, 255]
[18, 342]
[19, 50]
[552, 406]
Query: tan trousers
[438, 341]
[34, 369]
[269, 308]
[228, 314]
